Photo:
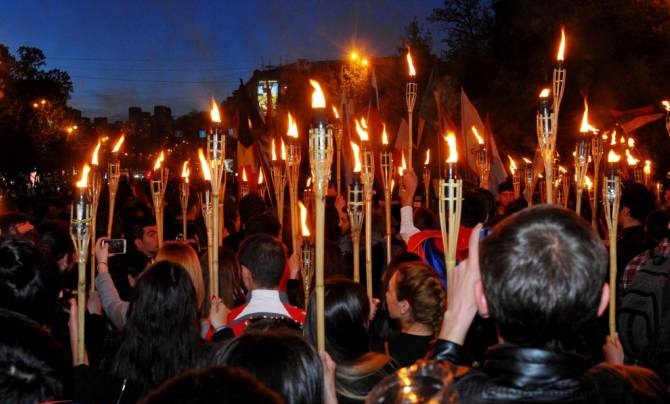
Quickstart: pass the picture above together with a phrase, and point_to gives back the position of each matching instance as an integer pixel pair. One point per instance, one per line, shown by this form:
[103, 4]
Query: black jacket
[514, 374]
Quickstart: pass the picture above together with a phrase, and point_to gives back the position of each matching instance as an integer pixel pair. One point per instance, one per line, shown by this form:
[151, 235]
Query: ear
[138, 243]
[247, 279]
[604, 299]
[625, 211]
[480, 300]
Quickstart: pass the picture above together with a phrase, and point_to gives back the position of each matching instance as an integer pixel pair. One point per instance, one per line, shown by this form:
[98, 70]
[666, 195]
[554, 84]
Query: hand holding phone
[116, 245]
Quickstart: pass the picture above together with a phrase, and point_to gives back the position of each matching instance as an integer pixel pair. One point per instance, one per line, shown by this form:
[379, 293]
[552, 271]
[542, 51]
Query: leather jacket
[511, 373]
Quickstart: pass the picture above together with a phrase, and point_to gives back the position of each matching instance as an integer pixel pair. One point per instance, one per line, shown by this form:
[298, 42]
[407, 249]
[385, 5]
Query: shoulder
[641, 383]
[296, 313]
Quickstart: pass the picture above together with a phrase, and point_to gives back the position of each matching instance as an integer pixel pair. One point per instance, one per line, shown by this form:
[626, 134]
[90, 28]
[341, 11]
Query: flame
[303, 219]
[480, 140]
[357, 157]
[631, 142]
[613, 138]
[260, 177]
[410, 64]
[292, 127]
[159, 160]
[562, 170]
[318, 99]
[427, 157]
[283, 150]
[185, 172]
[336, 113]
[244, 174]
[544, 93]
[512, 164]
[612, 157]
[385, 137]
[451, 144]
[214, 112]
[204, 165]
[666, 105]
[586, 126]
[364, 123]
[632, 161]
[588, 182]
[560, 56]
[403, 164]
[274, 151]
[94, 158]
[118, 143]
[525, 160]
[647, 167]
[83, 182]
[361, 129]
[309, 182]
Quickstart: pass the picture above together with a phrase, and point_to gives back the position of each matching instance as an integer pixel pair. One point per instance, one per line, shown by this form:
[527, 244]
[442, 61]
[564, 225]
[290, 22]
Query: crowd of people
[522, 318]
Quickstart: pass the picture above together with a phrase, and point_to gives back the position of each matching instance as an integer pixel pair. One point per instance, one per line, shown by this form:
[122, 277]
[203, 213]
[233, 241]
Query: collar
[268, 294]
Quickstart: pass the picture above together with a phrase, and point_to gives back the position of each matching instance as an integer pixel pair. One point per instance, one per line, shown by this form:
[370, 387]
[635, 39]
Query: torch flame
[214, 112]
[480, 140]
[666, 105]
[647, 167]
[525, 160]
[632, 161]
[361, 130]
[562, 170]
[357, 158]
[336, 113]
[83, 182]
[613, 138]
[318, 99]
[260, 177]
[185, 172]
[586, 126]
[309, 182]
[612, 157]
[385, 137]
[631, 142]
[403, 164]
[204, 165]
[303, 219]
[512, 164]
[588, 182]
[561, 48]
[244, 174]
[544, 93]
[410, 64]
[451, 143]
[118, 144]
[283, 150]
[159, 160]
[427, 157]
[94, 158]
[274, 151]
[292, 127]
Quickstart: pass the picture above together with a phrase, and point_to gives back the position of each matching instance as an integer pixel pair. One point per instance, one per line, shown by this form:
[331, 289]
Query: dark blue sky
[179, 53]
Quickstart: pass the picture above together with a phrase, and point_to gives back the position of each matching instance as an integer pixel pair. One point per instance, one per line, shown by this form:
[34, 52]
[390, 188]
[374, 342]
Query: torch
[516, 177]
[638, 172]
[306, 254]
[386, 160]
[401, 172]
[244, 183]
[158, 183]
[451, 198]
[356, 213]
[183, 197]
[80, 222]
[368, 177]
[208, 215]
[308, 194]
[581, 155]
[483, 161]
[611, 199]
[113, 175]
[597, 151]
[647, 173]
[293, 175]
[563, 193]
[279, 178]
[261, 183]
[96, 185]
[529, 180]
[410, 100]
[321, 159]
[426, 177]
[339, 133]
[216, 151]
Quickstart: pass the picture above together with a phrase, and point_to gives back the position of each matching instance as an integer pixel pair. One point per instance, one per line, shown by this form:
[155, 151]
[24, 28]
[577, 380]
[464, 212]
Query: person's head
[262, 260]
[543, 276]
[14, 224]
[332, 219]
[347, 311]
[29, 280]
[657, 224]
[262, 223]
[415, 295]
[283, 361]
[251, 204]
[183, 254]
[475, 208]
[221, 385]
[424, 219]
[34, 366]
[56, 241]
[505, 194]
[143, 235]
[636, 203]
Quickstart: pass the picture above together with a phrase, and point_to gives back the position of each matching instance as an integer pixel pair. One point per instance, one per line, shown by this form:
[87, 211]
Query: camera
[116, 245]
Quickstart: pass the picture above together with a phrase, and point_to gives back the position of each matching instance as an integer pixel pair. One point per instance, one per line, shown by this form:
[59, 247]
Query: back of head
[475, 208]
[638, 199]
[221, 385]
[424, 219]
[420, 286]
[28, 280]
[283, 361]
[264, 256]
[183, 254]
[251, 204]
[543, 270]
[262, 223]
[657, 224]
[55, 238]
[33, 365]
[505, 186]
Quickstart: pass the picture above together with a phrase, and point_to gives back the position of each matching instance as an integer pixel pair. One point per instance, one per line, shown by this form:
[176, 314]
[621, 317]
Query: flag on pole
[632, 119]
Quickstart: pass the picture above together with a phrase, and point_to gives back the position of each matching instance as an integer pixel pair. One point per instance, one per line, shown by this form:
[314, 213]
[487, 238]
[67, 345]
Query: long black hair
[161, 337]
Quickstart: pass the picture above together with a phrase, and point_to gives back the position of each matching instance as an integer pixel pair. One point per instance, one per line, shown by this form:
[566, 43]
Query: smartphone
[116, 245]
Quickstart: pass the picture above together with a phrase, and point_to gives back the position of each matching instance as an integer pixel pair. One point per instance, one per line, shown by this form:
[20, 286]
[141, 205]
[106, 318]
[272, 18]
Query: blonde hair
[418, 283]
[183, 254]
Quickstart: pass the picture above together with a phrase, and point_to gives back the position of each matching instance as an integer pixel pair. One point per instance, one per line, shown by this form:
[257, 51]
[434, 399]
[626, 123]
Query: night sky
[143, 53]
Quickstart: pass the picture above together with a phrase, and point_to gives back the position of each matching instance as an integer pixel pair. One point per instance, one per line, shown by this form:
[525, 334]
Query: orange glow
[427, 157]
[631, 142]
[118, 143]
[451, 144]
[274, 151]
[632, 161]
[83, 182]
[283, 150]
[512, 164]
[666, 105]
[560, 56]
[586, 126]
[647, 167]
[214, 112]
[260, 177]
[292, 127]
[318, 99]
[185, 172]
[303, 219]
[525, 160]
[204, 165]
[562, 170]
[159, 160]
[612, 157]
[544, 93]
[480, 140]
[353, 55]
[588, 183]
[403, 164]
[385, 137]
[94, 158]
[357, 157]
[410, 64]
[244, 174]
[336, 113]
[309, 182]
[361, 129]
[622, 140]
[613, 138]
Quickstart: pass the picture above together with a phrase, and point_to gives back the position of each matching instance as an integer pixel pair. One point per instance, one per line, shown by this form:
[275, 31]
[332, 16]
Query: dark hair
[657, 224]
[213, 385]
[55, 238]
[29, 280]
[11, 219]
[505, 186]
[332, 223]
[417, 283]
[475, 208]
[542, 270]
[262, 223]
[265, 258]
[283, 361]
[135, 229]
[251, 204]
[34, 367]
[162, 334]
[424, 219]
[638, 199]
